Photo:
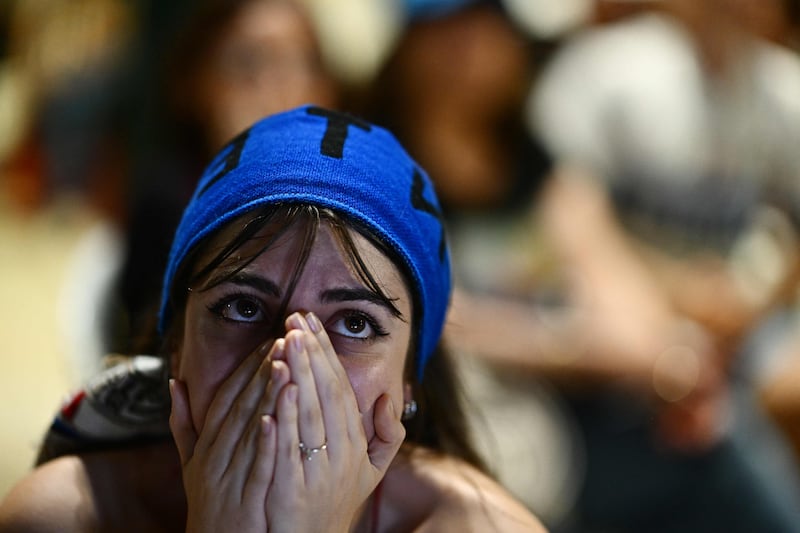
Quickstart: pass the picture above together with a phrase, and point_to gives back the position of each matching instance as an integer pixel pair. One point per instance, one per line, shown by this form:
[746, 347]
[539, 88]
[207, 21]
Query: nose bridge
[297, 300]
[300, 282]
[304, 296]
[289, 311]
[322, 268]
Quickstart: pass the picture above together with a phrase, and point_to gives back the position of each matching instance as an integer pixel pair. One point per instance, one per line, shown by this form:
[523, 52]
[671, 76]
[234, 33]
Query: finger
[339, 408]
[180, 421]
[342, 399]
[316, 327]
[310, 426]
[280, 376]
[322, 355]
[311, 429]
[264, 466]
[231, 387]
[389, 434]
[288, 466]
[242, 408]
[245, 457]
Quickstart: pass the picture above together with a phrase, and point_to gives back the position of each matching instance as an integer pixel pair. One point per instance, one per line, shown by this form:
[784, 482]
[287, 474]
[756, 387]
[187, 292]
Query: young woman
[303, 305]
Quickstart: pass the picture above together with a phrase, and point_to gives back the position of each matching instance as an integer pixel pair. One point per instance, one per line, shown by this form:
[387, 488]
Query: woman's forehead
[275, 248]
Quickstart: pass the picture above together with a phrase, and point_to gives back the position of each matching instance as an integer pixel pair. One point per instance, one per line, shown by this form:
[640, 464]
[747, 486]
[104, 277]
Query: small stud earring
[409, 410]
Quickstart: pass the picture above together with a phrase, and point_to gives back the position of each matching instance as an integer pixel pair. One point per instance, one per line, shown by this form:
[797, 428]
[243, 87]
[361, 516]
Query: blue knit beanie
[331, 160]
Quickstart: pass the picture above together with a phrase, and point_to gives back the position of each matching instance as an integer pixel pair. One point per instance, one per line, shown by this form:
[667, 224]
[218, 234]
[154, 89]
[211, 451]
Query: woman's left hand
[323, 487]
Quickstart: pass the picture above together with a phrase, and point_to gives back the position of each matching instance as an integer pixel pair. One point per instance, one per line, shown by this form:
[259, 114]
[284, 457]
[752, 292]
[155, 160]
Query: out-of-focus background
[620, 180]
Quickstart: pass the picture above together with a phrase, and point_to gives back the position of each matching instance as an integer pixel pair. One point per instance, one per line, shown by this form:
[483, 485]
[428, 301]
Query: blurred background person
[227, 63]
[60, 183]
[778, 391]
[113, 107]
[675, 196]
[454, 89]
[628, 364]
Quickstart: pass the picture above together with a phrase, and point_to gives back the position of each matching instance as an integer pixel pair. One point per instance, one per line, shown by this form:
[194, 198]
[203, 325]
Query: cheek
[202, 381]
[370, 382]
[204, 366]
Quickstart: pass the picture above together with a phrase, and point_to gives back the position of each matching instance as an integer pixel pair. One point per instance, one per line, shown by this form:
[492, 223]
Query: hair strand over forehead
[269, 224]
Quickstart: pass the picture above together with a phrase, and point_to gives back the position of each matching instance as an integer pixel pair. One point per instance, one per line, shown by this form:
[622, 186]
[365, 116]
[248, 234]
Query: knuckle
[333, 392]
[309, 416]
[240, 410]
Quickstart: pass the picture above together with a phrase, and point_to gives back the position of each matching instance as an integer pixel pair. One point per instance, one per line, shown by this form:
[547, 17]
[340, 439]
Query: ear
[409, 405]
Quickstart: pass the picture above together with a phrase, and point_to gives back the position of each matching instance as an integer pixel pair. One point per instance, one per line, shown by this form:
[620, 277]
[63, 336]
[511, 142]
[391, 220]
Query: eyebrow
[358, 294]
[262, 284]
[344, 294]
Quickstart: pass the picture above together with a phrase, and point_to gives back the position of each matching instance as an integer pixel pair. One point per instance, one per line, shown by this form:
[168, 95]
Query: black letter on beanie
[419, 202]
[336, 132]
[231, 160]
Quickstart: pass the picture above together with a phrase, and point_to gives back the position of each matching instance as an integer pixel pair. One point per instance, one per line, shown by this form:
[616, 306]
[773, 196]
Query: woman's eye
[239, 309]
[357, 326]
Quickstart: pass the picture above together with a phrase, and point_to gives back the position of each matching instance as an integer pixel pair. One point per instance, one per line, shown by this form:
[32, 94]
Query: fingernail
[171, 386]
[295, 321]
[297, 342]
[313, 322]
[280, 346]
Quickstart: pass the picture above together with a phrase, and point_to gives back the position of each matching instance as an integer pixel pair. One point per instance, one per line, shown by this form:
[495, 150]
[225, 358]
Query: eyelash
[219, 306]
[377, 329]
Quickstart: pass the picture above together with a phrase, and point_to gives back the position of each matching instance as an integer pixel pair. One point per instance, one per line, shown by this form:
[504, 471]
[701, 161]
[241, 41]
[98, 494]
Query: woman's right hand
[229, 462]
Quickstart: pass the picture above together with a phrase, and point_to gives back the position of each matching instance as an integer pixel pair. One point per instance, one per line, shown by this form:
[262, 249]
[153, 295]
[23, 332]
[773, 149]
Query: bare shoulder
[131, 489]
[53, 497]
[446, 494]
